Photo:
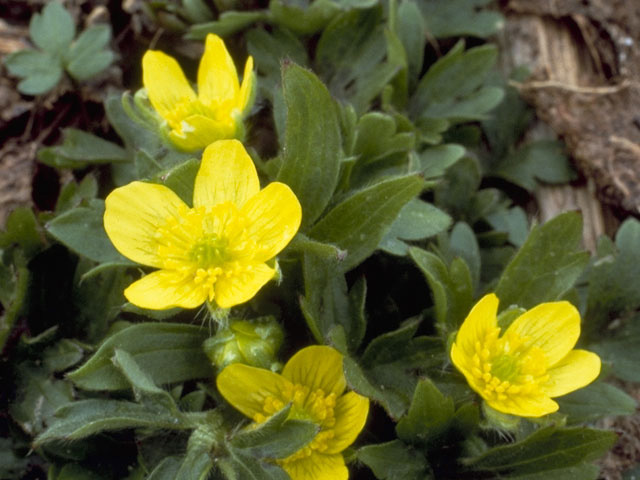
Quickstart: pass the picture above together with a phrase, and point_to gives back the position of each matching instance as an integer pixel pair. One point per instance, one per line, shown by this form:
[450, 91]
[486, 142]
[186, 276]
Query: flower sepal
[500, 421]
[138, 108]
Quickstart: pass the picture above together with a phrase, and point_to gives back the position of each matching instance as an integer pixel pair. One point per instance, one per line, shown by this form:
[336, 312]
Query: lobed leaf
[52, 29]
[546, 266]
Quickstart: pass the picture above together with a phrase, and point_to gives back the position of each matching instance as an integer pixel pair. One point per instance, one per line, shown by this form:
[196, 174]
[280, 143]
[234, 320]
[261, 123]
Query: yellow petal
[553, 327]
[481, 321]
[317, 467]
[578, 369]
[165, 289]
[168, 89]
[132, 216]
[195, 132]
[247, 89]
[247, 388]
[317, 367]
[236, 288]
[526, 406]
[351, 414]
[463, 363]
[226, 174]
[274, 215]
[217, 76]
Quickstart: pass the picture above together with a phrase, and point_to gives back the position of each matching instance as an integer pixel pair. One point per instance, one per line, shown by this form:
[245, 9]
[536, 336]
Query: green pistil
[210, 251]
[505, 367]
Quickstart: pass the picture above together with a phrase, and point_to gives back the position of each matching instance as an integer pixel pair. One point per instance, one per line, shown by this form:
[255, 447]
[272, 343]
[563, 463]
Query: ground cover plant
[305, 254]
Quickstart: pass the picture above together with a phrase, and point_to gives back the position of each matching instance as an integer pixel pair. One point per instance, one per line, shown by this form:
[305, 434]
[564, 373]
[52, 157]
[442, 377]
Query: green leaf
[311, 156]
[12, 465]
[361, 382]
[456, 18]
[181, 179]
[596, 401]
[196, 10]
[428, 416]
[72, 193]
[463, 244]
[512, 221]
[97, 298]
[326, 302]
[451, 287]
[88, 417]
[622, 350]
[38, 396]
[22, 229]
[377, 137]
[61, 356]
[386, 372]
[412, 32]
[40, 71]
[80, 149]
[144, 389]
[547, 450]
[14, 285]
[140, 135]
[453, 86]
[351, 57]
[278, 437]
[395, 461]
[434, 161]
[385, 348]
[228, 23]
[197, 465]
[358, 223]
[613, 277]
[544, 160]
[546, 266]
[87, 56]
[509, 120]
[72, 228]
[53, 29]
[303, 21]
[459, 188]
[246, 467]
[167, 352]
[269, 50]
[167, 469]
[73, 471]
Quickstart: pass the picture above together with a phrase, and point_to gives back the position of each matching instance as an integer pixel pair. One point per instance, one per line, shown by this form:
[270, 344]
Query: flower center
[204, 243]
[507, 367]
[315, 406]
[210, 250]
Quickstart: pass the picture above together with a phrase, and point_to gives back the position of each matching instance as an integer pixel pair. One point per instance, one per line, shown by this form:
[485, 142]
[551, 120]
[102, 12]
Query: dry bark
[587, 86]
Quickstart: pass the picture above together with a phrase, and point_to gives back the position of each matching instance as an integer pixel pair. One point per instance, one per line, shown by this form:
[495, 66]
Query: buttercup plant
[215, 251]
[387, 126]
[520, 371]
[313, 383]
[194, 120]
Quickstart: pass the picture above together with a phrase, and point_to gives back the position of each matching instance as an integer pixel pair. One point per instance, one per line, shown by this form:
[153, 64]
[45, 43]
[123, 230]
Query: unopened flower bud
[252, 342]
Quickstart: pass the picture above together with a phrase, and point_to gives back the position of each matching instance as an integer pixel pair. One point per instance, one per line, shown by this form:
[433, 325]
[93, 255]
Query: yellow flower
[195, 120]
[534, 360]
[215, 250]
[313, 383]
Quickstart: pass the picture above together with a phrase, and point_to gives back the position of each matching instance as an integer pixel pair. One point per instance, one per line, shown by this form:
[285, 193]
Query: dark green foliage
[405, 149]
